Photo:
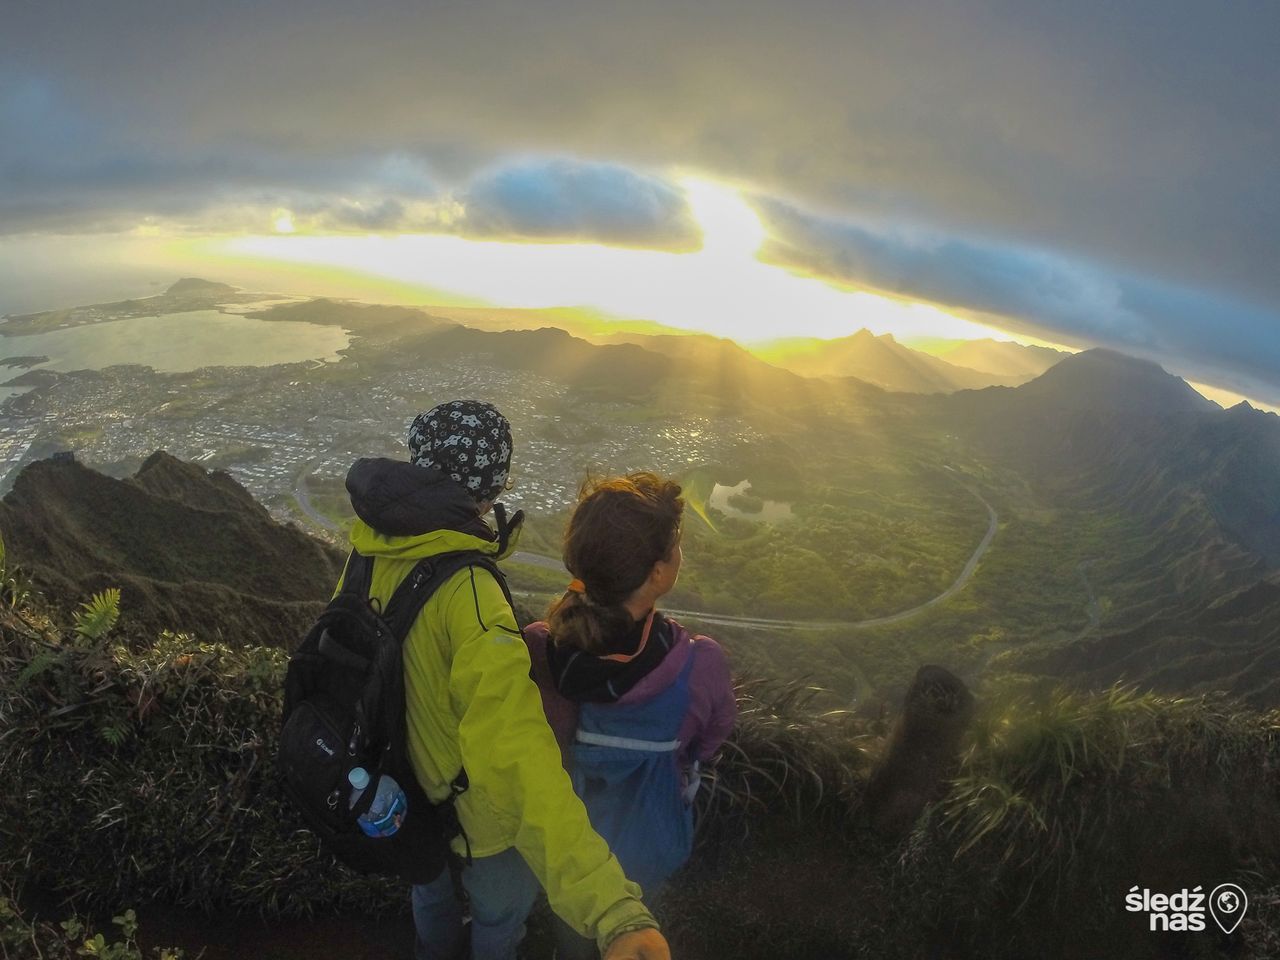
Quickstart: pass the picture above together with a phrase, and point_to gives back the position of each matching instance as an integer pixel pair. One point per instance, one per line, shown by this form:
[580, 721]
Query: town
[289, 432]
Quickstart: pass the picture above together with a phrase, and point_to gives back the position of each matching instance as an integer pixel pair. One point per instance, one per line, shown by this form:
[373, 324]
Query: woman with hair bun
[636, 701]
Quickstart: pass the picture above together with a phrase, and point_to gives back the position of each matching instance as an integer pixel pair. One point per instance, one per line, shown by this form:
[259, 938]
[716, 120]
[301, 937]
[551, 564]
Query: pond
[773, 511]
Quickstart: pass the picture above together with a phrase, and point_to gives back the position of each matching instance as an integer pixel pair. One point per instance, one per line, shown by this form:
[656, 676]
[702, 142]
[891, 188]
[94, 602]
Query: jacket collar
[409, 512]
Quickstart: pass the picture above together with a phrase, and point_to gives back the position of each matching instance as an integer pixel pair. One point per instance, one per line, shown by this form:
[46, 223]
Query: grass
[152, 771]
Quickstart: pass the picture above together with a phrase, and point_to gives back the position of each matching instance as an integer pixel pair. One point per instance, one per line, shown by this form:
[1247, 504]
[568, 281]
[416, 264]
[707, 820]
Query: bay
[179, 342]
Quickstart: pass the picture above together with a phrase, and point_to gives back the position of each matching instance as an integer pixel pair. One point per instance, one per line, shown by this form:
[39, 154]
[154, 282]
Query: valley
[835, 530]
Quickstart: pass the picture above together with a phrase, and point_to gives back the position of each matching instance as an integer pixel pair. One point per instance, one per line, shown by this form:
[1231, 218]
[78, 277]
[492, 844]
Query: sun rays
[723, 288]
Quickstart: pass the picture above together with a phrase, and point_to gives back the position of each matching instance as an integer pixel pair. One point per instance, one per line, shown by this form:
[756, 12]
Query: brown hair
[621, 527]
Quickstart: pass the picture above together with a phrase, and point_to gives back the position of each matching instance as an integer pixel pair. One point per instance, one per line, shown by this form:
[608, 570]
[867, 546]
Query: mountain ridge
[190, 550]
[879, 360]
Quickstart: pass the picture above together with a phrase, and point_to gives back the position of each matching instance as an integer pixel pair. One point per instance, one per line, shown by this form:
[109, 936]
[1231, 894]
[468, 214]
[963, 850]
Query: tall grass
[144, 772]
[786, 755]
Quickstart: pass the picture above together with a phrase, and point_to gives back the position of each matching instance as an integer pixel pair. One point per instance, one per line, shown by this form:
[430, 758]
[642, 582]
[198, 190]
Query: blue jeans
[502, 889]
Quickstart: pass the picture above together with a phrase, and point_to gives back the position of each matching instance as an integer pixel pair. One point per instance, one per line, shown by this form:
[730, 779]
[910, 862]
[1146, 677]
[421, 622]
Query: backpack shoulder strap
[687, 669]
[358, 576]
[426, 578]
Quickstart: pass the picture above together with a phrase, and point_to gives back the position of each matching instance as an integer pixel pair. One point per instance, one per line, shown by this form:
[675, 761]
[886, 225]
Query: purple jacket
[712, 706]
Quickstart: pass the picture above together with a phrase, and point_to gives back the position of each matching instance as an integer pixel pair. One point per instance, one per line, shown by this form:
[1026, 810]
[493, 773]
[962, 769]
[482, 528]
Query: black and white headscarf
[468, 440]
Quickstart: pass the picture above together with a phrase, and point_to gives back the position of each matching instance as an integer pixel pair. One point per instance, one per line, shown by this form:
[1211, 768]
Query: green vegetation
[1060, 804]
[95, 618]
[78, 436]
[164, 751]
[1065, 801]
[24, 939]
[15, 585]
[897, 538]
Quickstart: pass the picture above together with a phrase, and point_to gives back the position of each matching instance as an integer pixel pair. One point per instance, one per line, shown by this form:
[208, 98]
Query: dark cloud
[1141, 134]
[558, 199]
[1136, 138]
[387, 214]
[64, 169]
[51, 182]
[1206, 337]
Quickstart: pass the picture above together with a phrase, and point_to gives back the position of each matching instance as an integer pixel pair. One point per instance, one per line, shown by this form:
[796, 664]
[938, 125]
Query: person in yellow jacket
[472, 706]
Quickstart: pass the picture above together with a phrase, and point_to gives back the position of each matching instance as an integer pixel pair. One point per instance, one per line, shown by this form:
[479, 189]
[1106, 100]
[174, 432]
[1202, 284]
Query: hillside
[1233, 644]
[879, 360]
[1181, 512]
[722, 370]
[189, 549]
[1136, 543]
[999, 357]
[377, 321]
[1107, 380]
[1042, 810]
[196, 288]
[682, 373]
[189, 293]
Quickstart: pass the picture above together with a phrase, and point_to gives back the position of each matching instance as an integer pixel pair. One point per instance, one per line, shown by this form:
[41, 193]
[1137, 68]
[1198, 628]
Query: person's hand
[646, 944]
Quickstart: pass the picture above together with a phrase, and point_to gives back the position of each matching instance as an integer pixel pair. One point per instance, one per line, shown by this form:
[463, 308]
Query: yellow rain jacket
[471, 702]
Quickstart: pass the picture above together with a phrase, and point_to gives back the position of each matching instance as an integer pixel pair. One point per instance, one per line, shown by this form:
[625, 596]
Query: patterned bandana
[468, 440]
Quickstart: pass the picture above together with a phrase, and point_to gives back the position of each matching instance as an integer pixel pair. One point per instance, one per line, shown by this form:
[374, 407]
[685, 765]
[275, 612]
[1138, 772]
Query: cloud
[53, 184]
[1211, 338]
[1056, 151]
[560, 199]
[1140, 134]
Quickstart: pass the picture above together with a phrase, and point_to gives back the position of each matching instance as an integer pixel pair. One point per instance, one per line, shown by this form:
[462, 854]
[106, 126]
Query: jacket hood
[409, 512]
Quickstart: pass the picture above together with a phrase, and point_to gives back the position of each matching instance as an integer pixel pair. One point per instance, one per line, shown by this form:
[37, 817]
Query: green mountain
[1135, 531]
[999, 357]
[879, 360]
[1183, 511]
[194, 287]
[188, 549]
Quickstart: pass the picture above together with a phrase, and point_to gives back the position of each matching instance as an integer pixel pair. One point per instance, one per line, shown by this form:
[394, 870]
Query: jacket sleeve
[513, 767]
[712, 674]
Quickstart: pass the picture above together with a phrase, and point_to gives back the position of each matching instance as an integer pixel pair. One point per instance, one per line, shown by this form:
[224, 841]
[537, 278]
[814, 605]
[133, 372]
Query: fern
[115, 733]
[41, 662]
[95, 618]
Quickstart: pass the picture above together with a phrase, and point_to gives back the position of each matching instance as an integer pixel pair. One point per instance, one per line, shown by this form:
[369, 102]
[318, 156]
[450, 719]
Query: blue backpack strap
[683, 679]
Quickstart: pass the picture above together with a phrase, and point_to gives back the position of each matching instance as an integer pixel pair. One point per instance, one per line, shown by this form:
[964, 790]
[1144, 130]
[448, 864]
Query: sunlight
[730, 228]
[1229, 398]
[721, 289]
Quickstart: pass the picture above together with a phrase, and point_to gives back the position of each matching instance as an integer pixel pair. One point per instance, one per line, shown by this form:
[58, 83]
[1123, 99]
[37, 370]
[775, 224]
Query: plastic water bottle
[386, 813]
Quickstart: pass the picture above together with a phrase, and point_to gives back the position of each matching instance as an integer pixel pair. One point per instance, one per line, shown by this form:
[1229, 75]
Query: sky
[1085, 174]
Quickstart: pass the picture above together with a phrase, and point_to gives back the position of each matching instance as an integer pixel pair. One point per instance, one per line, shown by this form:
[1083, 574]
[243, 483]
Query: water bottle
[386, 813]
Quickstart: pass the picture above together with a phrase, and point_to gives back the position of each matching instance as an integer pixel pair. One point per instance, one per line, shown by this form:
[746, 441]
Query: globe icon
[1228, 902]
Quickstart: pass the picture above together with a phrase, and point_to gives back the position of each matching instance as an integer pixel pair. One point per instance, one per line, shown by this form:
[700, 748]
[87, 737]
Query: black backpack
[344, 707]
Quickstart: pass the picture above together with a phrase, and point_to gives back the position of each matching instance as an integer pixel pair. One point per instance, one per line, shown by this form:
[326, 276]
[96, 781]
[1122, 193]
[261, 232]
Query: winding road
[749, 623]
[760, 623]
[304, 500]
